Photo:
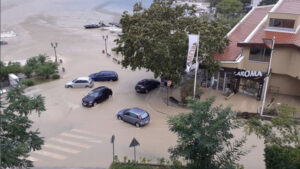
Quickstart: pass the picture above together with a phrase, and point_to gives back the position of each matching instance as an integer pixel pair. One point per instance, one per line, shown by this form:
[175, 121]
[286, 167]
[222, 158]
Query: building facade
[246, 60]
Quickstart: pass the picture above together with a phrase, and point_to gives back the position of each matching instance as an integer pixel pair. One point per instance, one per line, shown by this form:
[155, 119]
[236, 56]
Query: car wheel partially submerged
[137, 125]
[69, 86]
[119, 118]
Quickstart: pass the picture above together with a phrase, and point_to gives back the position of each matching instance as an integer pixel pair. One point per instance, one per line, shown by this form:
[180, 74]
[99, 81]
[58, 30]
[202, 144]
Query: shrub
[285, 157]
[28, 82]
[27, 70]
[55, 76]
[187, 89]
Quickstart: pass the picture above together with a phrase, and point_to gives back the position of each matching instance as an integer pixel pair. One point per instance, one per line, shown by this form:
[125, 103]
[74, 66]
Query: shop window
[260, 54]
[282, 23]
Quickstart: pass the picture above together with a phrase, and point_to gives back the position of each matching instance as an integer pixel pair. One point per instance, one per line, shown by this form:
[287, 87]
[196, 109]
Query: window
[261, 54]
[133, 115]
[282, 23]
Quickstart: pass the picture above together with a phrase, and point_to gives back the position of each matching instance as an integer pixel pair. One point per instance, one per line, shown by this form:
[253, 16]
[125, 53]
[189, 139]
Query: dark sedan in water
[135, 116]
[104, 76]
[146, 85]
[97, 95]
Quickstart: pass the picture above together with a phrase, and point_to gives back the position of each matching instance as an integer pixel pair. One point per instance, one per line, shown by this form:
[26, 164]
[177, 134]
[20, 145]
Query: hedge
[282, 157]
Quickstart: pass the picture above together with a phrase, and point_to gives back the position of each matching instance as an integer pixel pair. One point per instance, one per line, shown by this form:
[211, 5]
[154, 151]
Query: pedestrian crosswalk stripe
[83, 132]
[71, 143]
[50, 155]
[32, 159]
[85, 138]
[60, 148]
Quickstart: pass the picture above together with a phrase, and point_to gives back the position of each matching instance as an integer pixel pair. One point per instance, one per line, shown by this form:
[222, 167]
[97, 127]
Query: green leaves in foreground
[205, 136]
[17, 137]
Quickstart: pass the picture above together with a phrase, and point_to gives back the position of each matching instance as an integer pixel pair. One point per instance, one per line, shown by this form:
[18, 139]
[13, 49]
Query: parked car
[136, 116]
[80, 82]
[146, 85]
[97, 95]
[104, 76]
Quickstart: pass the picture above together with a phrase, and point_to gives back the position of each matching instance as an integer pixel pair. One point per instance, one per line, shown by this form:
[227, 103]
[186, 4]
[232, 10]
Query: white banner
[193, 41]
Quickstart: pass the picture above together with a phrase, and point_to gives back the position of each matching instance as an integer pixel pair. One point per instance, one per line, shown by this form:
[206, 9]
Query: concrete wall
[286, 61]
[253, 65]
[284, 84]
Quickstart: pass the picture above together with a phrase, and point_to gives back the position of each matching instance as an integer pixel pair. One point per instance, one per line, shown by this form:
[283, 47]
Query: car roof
[144, 80]
[137, 110]
[107, 71]
[100, 88]
[83, 78]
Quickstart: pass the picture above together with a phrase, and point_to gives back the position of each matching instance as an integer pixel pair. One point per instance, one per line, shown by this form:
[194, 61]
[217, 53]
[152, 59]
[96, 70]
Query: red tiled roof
[241, 32]
[280, 37]
[289, 6]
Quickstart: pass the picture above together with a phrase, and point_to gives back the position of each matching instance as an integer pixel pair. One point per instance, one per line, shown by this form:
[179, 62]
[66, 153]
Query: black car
[146, 85]
[104, 76]
[97, 95]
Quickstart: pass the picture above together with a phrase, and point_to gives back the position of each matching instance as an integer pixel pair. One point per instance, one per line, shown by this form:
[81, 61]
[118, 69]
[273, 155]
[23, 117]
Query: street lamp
[54, 45]
[105, 39]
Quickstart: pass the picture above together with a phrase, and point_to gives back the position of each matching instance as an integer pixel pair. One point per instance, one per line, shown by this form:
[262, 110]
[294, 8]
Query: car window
[84, 81]
[144, 115]
[78, 81]
[126, 113]
[93, 94]
[133, 115]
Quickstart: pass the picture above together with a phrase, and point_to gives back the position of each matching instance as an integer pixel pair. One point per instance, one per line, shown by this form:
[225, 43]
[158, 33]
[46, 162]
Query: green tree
[281, 130]
[205, 138]
[46, 69]
[229, 7]
[16, 136]
[156, 39]
[267, 2]
[12, 67]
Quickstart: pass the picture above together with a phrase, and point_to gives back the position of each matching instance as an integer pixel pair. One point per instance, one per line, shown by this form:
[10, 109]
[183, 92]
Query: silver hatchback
[135, 116]
[80, 82]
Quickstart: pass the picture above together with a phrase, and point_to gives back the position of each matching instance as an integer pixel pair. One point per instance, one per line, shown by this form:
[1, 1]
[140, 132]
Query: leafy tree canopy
[156, 39]
[16, 136]
[205, 138]
[280, 131]
[229, 7]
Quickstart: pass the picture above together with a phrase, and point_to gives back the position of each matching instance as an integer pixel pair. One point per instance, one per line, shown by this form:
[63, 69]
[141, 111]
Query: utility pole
[54, 45]
[105, 39]
[268, 73]
[197, 65]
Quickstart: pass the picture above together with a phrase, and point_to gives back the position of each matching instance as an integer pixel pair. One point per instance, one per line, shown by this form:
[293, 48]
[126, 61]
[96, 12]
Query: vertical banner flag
[193, 41]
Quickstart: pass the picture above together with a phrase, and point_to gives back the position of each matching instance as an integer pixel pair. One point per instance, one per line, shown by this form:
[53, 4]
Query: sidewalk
[239, 102]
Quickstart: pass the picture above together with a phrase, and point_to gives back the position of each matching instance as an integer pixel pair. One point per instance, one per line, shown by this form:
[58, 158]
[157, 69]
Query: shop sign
[249, 73]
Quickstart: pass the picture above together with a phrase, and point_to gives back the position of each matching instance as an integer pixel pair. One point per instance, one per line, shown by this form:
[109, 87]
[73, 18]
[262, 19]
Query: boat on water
[115, 24]
[91, 26]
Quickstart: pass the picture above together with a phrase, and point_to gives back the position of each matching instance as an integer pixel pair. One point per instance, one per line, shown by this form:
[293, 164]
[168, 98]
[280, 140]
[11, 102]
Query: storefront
[234, 80]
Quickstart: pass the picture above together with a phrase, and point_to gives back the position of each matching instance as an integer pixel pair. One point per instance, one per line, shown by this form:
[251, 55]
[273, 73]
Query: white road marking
[32, 159]
[50, 155]
[85, 138]
[83, 132]
[71, 143]
[59, 148]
